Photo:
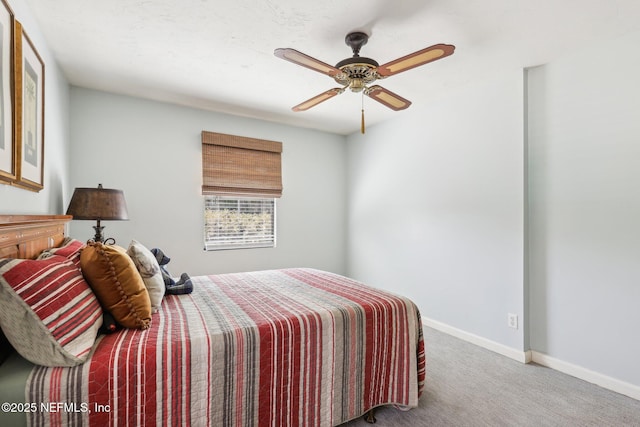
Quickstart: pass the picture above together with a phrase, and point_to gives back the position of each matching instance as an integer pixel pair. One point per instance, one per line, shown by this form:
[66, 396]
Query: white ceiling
[218, 54]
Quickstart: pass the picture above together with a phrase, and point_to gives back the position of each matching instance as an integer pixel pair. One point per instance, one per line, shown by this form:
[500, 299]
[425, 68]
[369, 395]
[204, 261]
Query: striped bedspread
[275, 348]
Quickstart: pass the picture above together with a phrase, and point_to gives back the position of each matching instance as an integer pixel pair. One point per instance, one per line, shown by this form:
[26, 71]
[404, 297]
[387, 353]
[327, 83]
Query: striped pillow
[70, 249]
[47, 310]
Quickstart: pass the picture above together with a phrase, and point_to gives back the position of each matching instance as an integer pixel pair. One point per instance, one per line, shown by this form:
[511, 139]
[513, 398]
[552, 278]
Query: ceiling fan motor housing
[357, 71]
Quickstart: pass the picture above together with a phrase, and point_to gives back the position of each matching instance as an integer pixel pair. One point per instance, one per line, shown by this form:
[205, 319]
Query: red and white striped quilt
[274, 348]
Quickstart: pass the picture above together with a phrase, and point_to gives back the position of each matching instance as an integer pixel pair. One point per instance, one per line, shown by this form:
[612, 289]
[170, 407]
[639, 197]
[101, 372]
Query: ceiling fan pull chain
[362, 120]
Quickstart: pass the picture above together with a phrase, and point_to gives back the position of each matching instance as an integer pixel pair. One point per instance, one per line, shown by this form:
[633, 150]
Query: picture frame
[29, 111]
[8, 148]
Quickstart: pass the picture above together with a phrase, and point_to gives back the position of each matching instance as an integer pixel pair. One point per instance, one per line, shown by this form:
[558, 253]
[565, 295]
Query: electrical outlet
[512, 320]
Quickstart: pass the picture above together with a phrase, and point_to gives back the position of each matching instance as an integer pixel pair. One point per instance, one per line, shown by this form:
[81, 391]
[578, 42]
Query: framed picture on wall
[8, 149]
[29, 109]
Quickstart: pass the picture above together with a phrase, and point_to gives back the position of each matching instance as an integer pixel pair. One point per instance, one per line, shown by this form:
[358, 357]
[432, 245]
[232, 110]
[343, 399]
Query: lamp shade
[98, 204]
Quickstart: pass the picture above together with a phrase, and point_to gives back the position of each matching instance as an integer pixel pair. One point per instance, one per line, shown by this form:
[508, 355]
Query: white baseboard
[512, 353]
[602, 380]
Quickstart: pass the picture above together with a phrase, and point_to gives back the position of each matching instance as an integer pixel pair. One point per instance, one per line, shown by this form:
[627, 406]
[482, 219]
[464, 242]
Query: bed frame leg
[369, 416]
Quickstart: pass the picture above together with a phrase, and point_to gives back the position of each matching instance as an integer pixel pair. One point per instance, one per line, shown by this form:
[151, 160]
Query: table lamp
[100, 204]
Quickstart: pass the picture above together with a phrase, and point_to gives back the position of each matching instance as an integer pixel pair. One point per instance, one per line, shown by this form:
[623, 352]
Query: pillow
[117, 284]
[149, 269]
[47, 310]
[70, 249]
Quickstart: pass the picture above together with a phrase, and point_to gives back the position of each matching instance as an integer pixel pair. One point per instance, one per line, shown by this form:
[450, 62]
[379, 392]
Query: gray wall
[436, 207]
[152, 151]
[53, 198]
[584, 161]
[516, 195]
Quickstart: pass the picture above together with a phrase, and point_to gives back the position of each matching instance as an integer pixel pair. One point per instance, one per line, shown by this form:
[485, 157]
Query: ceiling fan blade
[387, 98]
[416, 59]
[304, 106]
[300, 58]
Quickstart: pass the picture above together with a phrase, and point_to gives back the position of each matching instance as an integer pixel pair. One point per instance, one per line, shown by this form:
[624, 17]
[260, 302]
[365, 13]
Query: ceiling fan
[357, 72]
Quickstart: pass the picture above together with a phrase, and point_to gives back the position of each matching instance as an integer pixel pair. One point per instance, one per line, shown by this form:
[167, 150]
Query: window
[241, 178]
[232, 223]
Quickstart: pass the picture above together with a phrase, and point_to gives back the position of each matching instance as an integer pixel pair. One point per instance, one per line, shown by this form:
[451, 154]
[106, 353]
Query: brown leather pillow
[116, 282]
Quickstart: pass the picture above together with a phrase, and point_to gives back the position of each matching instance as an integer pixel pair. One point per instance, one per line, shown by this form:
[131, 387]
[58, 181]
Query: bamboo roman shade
[240, 166]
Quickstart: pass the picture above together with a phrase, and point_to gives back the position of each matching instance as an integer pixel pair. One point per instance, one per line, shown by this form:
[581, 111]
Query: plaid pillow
[47, 310]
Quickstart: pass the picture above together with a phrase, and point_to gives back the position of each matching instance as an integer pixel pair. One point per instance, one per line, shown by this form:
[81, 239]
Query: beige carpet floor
[471, 386]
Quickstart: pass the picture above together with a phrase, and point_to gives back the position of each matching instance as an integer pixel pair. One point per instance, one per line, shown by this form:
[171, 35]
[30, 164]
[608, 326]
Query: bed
[294, 346]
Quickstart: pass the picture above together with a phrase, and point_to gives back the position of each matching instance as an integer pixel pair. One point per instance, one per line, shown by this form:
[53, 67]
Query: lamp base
[98, 237]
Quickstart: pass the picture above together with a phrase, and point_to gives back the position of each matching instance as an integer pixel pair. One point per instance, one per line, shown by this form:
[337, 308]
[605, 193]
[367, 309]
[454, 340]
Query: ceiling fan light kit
[357, 73]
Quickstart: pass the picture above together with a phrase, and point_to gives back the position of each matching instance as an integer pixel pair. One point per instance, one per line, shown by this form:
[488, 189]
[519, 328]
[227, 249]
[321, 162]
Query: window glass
[234, 223]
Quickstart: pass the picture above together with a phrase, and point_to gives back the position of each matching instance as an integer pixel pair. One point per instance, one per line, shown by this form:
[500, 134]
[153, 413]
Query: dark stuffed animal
[182, 286]
[162, 261]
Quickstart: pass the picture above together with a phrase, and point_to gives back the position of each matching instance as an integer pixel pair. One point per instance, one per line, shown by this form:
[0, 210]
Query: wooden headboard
[25, 236]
